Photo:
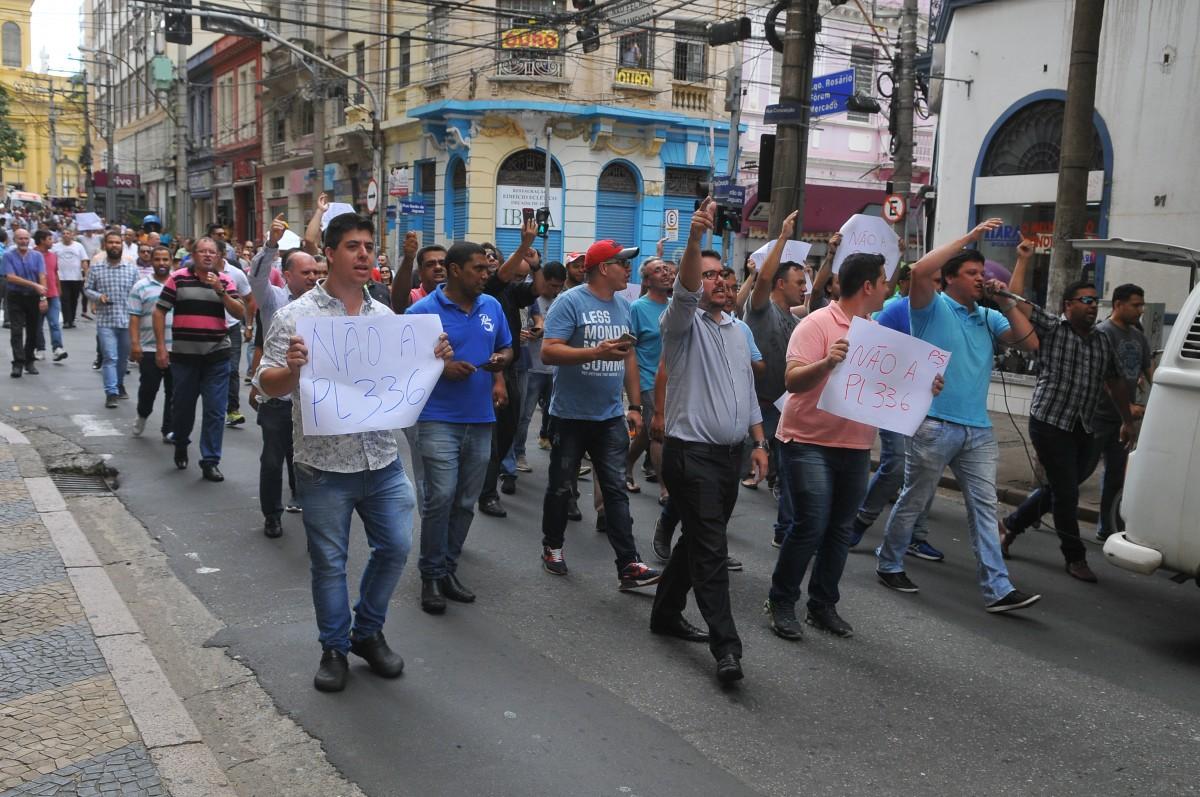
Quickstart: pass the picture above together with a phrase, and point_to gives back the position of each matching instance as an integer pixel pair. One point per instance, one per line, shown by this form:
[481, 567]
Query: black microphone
[1008, 295]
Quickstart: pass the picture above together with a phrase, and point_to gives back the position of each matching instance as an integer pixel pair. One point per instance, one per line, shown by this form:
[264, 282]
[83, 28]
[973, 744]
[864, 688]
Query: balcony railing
[690, 97]
[530, 67]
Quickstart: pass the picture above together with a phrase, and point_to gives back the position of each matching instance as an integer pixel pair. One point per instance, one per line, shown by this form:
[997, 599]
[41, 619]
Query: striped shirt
[198, 329]
[113, 283]
[143, 298]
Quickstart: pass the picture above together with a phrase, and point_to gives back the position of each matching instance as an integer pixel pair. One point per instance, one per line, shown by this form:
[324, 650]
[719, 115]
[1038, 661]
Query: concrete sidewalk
[85, 708]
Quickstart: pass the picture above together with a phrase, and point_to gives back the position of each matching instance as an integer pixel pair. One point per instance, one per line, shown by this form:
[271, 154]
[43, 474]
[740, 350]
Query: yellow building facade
[46, 109]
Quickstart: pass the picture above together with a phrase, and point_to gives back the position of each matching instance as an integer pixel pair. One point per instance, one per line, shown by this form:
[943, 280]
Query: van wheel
[1115, 521]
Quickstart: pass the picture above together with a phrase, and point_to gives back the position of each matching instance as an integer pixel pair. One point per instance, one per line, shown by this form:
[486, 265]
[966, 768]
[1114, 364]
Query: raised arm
[825, 272]
[508, 271]
[922, 290]
[690, 264]
[312, 233]
[761, 293]
[402, 277]
[1025, 251]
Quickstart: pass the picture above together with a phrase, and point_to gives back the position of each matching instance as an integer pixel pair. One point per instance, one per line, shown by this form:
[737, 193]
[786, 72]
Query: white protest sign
[289, 240]
[886, 379]
[869, 234]
[793, 252]
[367, 373]
[334, 210]
[88, 221]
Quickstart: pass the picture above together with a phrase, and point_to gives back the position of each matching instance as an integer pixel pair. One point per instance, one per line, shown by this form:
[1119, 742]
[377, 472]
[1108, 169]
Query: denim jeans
[786, 513]
[207, 380]
[886, 483]
[971, 452]
[1116, 458]
[235, 356]
[508, 465]
[607, 443]
[150, 376]
[455, 458]
[827, 486]
[503, 433]
[114, 357]
[536, 394]
[53, 308]
[384, 500]
[275, 419]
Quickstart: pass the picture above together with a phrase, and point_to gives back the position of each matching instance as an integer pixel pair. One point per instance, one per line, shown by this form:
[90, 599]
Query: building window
[439, 29]
[636, 50]
[862, 58]
[529, 45]
[247, 120]
[404, 60]
[683, 182]
[225, 109]
[617, 177]
[277, 184]
[278, 127]
[1030, 142]
[304, 119]
[691, 52]
[360, 70]
[12, 44]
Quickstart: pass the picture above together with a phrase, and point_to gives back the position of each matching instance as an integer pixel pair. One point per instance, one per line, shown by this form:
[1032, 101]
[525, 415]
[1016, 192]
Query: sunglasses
[1087, 300]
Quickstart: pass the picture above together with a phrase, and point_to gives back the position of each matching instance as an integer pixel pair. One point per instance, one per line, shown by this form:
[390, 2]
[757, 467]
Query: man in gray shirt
[709, 407]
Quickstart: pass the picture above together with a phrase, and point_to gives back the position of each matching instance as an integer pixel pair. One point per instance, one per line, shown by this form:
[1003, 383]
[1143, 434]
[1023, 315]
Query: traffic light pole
[903, 97]
[791, 143]
[183, 207]
[733, 148]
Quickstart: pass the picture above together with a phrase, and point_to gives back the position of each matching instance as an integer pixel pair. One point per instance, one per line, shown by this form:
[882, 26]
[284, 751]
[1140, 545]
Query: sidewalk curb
[185, 763]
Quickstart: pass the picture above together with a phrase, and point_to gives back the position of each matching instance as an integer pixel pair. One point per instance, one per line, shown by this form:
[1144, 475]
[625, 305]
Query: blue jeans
[786, 513]
[536, 394]
[607, 443]
[53, 308]
[114, 356]
[207, 380]
[886, 483]
[971, 452]
[455, 459]
[827, 486]
[384, 500]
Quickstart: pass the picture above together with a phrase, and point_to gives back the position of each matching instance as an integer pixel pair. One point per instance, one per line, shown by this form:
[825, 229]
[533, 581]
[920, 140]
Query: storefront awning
[826, 208]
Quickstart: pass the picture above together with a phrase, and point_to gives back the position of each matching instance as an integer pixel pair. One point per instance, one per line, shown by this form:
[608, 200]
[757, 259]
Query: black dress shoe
[508, 484]
[573, 512]
[454, 589]
[680, 629]
[331, 675]
[729, 669]
[384, 662]
[17, 370]
[432, 599]
[273, 528]
[30, 368]
[492, 507]
[181, 461]
[212, 473]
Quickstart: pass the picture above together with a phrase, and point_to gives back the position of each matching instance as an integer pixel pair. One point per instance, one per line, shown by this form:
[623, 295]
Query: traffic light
[735, 30]
[177, 22]
[727, 220]
[543, 222]
[863, 103]
[589, 37]
[582, 5]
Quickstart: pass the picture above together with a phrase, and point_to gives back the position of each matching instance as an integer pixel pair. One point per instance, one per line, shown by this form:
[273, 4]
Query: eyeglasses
[710, 275]
[1087, 300]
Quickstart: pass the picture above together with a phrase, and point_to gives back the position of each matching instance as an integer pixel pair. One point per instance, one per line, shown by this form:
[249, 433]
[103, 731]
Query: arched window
[617, 214]
[11, 44]
[521, 183]
[1030, 142]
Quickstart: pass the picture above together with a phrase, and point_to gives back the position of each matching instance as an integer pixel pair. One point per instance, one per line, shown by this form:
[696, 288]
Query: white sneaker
[522, 465]
[60, 355]
[139, 426]
[39, 355]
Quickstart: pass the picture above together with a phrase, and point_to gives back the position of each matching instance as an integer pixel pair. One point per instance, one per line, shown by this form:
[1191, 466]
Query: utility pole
[733, 82]
[110, 198]
[183, 205]
[52, 179]
[1070, 209]
[906, 88]
[318, 105]
[791, 143]
[546, 199]
[89, 200]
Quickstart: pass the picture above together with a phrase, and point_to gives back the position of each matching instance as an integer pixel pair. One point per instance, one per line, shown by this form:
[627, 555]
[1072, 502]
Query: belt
[709, 448]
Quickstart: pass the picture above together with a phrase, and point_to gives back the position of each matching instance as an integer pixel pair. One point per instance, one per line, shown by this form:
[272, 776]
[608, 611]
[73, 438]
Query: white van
[1161, 501]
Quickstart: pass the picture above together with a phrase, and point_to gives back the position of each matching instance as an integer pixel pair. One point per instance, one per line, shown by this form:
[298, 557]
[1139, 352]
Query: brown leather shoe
[1006, 539]
[1081, 571]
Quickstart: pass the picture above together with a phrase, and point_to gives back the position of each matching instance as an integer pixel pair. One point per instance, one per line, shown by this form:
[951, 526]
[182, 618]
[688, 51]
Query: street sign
[894, 208]
[736, 197]
[720, 187]
[831, 92]
[783, 113]
[413, 208]
[671, 224]
[628, 13]
[372, 195]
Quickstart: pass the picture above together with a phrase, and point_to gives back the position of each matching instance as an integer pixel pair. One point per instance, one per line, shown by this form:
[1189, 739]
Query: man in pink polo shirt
[828, 457]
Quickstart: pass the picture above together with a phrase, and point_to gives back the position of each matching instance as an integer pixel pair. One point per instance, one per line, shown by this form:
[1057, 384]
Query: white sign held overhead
[367, 373]
[671, 224]
[289, 240]
[334, 210]
[88, 221]
[886, 379]
[793, 252]
[869, 234]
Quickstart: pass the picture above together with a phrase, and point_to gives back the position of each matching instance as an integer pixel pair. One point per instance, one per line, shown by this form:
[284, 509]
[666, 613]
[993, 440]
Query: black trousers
[1068, 458]
[703, 481]
[508, 418]
[24, 317]
[275, 418]
[150, 376]
[71, 290]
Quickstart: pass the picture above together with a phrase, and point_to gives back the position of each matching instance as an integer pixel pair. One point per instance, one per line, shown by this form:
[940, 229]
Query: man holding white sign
[338, 474]
[826, 458]
[957, 431]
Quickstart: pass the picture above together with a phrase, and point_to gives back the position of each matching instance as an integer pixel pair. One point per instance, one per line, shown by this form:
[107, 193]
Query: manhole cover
[80, 484]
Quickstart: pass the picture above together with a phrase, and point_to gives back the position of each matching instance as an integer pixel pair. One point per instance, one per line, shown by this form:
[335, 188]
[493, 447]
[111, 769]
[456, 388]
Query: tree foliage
[12, 141]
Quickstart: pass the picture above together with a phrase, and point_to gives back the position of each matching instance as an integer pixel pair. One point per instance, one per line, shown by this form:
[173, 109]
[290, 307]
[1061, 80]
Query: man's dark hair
[166, 249]
[344, 223]
[110, 234]
[950, 267]
[216, 225]
[487, 246]
[459, 254]
[784, 270]
[1074, 288]
[3, 236]
[424, 250]
[857, 270]
[710, 253]
[1123, 293]
[40, 236]
[554, 270]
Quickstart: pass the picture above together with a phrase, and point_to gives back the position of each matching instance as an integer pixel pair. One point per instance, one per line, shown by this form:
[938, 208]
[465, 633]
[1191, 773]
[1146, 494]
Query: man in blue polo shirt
[957, 432]
[455, 427]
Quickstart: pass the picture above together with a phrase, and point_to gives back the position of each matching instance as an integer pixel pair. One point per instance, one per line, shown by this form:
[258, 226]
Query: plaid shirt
[113, 282]
[1072, 372]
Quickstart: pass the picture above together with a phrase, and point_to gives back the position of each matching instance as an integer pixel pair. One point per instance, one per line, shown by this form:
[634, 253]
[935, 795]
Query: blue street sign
[783, 113]
[720, 187]
[736, 197]
[413, 208]
[831, 92]
[390, 212]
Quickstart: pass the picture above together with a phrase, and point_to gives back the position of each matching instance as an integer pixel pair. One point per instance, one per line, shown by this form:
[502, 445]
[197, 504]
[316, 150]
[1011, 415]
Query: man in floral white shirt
[337, 475]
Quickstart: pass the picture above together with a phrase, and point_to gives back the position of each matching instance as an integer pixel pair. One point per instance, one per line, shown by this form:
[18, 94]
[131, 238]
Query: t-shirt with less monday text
[591, 391]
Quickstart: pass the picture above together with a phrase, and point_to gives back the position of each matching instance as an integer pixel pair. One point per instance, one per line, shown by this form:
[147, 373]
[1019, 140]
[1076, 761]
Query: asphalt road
[554, 686]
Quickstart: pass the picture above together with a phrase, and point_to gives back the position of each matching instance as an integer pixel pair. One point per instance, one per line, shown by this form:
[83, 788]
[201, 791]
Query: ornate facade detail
[652, 188]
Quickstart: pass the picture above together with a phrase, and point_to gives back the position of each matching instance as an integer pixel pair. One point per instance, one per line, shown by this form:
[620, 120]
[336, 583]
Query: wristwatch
[535, 269]
[762, 445]
[635, 408]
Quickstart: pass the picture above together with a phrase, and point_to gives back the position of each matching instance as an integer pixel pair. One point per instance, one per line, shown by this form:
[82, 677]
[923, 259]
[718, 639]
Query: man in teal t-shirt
[644, 313]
